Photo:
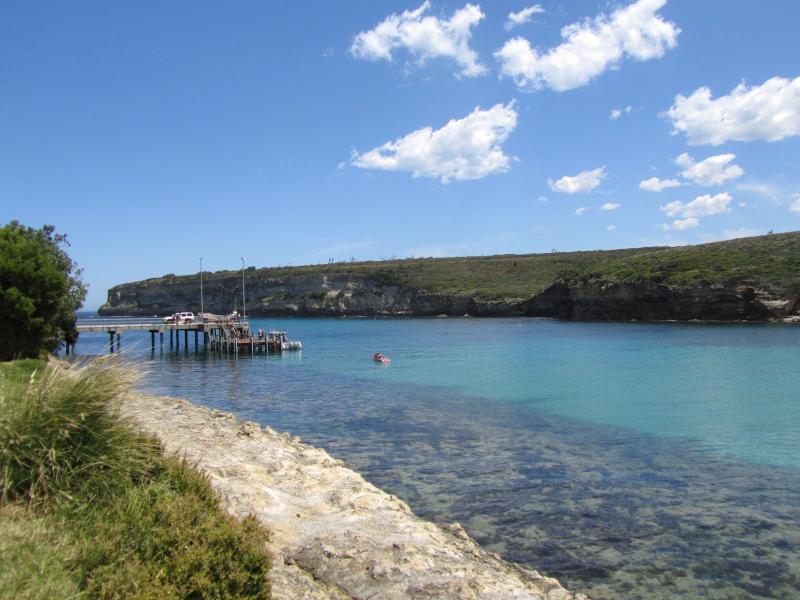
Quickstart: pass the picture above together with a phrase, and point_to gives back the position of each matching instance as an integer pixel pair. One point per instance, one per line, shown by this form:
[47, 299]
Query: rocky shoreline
[333, 534]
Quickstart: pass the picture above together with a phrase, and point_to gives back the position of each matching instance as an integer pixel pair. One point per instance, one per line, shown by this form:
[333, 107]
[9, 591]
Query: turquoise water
[629, 460]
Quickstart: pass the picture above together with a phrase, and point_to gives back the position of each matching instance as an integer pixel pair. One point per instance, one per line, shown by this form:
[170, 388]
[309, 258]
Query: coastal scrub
[40, 290]
[92, 507]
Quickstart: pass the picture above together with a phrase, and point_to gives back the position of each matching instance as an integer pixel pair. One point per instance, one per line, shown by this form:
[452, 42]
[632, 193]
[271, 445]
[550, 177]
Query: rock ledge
[333, 534]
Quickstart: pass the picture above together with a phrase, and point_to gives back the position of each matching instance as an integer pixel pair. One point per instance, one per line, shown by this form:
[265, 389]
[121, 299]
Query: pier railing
[137, 322]
[218, 332]
[94, 321]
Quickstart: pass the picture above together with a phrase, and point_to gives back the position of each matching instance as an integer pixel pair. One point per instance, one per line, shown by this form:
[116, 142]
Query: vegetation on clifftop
[485, 277]
[769, 262]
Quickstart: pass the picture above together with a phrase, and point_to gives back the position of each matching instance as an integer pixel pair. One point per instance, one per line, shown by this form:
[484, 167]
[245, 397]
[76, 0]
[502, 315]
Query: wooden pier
[219, 334]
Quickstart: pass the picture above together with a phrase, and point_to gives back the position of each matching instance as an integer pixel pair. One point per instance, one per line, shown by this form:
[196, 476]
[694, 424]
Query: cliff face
[302, 296]
[646, 301]
[354, 295]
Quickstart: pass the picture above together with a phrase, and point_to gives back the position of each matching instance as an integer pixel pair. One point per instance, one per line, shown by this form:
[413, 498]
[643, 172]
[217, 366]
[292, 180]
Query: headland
[749, 279]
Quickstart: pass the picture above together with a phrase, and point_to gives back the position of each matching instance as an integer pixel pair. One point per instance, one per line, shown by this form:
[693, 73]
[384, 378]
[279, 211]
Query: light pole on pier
[244, 305]
[202, 310]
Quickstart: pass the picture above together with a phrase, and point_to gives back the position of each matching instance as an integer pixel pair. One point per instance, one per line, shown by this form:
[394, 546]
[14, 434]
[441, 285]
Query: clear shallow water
[625, 459]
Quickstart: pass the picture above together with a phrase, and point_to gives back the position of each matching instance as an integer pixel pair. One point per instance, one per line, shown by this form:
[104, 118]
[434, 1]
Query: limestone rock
[333, 534]
[345, 294]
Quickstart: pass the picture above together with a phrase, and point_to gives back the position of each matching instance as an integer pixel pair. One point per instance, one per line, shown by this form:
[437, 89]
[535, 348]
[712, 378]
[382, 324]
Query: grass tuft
[60, 438]
[169, 537]
[97, 510]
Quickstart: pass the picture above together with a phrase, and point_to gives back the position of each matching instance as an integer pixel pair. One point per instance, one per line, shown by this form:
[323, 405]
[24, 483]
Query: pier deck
[219, 333]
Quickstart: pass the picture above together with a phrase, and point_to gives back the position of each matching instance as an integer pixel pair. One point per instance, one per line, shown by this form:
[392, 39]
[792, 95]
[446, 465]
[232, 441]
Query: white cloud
[585, 181]
[589, 48]
[468, 148]
[580, 211]
[618, 112]
[681, 224]
[768, 112]
[543, 199]
[673, 208]
[611, 228]
[424, 37]
[610, 206]
[702, 206]
[795, 205]
[654, 184]
[523, 16]
[765, 190]
[714, 170]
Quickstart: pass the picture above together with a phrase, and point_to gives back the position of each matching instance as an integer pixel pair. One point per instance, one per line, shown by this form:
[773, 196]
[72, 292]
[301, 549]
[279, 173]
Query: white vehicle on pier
[179, 318]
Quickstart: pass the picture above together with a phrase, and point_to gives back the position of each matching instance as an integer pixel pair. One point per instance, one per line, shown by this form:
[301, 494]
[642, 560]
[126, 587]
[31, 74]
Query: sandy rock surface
[333, 534]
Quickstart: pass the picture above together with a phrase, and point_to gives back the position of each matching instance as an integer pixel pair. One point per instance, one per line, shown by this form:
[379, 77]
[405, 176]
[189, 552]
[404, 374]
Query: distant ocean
[627, 460]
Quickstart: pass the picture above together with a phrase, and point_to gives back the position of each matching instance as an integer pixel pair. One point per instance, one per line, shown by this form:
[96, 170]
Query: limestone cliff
[355, 295]
[307, 295]
[748, 279]
[647, 301]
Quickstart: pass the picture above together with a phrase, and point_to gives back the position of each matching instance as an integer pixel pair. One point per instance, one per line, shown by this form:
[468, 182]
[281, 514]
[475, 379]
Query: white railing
[155, 322]
[123, 320]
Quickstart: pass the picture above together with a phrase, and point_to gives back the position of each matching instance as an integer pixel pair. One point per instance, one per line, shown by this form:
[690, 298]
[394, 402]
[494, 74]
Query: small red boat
[380, 358]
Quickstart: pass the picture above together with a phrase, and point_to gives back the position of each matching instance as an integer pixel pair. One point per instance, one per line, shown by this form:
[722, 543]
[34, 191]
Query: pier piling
[221, 335]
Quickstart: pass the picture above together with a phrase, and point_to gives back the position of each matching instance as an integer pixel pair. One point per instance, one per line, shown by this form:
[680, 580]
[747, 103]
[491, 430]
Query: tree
[40, 290]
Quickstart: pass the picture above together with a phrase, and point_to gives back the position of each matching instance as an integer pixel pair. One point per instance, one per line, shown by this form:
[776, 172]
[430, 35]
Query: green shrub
[315, 294]
[130, 522]
[40, 290]
[169, 537]
[770, 262]
[60, 438]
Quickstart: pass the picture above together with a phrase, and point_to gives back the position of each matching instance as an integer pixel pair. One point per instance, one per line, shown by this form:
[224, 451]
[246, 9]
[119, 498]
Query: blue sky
[157, 133]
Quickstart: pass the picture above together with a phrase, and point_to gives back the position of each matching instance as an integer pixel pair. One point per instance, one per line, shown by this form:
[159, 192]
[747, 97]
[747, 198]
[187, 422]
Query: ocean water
[628, 460]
